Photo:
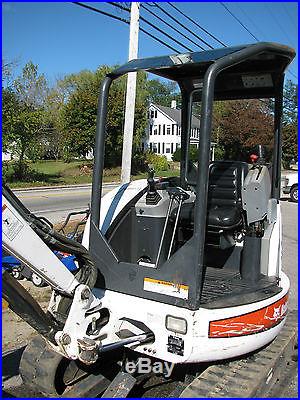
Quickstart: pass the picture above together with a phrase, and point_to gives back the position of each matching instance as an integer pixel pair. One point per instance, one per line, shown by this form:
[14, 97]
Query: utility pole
[130, 94]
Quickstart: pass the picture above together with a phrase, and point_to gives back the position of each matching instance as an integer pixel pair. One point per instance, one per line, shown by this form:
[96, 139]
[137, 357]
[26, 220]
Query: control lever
[180, 195]
[152, 196]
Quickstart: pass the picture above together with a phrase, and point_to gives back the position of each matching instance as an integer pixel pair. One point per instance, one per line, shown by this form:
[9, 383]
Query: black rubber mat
[224, 287]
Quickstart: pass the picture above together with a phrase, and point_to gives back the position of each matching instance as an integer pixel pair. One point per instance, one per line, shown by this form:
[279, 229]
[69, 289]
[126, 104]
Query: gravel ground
[15, 331]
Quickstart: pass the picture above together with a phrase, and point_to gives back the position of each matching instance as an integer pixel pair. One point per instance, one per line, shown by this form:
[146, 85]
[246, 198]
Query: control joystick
[152, 196]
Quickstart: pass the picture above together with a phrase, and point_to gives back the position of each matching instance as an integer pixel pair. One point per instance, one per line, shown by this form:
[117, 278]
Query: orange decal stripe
[253, 322]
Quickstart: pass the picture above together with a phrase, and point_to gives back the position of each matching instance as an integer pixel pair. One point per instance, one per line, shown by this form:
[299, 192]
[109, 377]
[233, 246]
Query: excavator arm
[32, 241]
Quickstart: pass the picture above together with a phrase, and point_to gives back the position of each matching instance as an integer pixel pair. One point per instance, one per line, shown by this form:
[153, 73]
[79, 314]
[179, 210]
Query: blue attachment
[9, 262]
[112, 208]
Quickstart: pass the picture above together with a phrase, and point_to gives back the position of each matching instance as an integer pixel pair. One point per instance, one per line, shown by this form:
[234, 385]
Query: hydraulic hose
[88, 272]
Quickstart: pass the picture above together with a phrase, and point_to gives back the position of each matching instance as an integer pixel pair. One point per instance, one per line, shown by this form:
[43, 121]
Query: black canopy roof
[254, 77]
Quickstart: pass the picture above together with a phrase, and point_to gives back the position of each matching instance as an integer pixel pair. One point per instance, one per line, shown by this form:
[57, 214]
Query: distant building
[163, 133]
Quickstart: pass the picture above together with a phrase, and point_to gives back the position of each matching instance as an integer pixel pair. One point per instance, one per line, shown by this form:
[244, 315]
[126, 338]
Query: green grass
[55, 173]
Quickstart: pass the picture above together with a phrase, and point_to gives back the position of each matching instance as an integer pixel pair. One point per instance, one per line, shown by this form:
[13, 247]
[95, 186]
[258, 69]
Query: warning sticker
[11, 225]
[167, 288]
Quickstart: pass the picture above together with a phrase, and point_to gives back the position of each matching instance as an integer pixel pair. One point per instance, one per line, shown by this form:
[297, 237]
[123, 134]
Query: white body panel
[275, 249]
[132, 190]
[198, 347]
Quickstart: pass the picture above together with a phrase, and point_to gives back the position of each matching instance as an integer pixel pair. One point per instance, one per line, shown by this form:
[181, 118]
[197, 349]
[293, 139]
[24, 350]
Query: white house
[163, 132]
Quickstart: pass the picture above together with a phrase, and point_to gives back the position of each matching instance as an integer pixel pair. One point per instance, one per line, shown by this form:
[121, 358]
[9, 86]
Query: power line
[196, 23]
[239, 21]
[251, 20]
[141, 29]
[126, 22]
[292, 73]
[278, 23]
[149, 23]
[183, 26]
[289, 16]
[143, 5]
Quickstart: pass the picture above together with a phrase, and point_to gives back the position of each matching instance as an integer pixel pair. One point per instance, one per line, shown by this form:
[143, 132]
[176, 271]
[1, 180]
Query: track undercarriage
[45, 372]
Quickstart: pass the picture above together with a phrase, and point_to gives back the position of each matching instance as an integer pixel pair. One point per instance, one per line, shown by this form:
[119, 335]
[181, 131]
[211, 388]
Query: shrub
[219, 152]
[138, 162]
[193, 154]
[159, 163]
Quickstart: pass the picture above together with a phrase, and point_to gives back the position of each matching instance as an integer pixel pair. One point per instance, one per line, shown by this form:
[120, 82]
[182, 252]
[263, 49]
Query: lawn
[54, 173]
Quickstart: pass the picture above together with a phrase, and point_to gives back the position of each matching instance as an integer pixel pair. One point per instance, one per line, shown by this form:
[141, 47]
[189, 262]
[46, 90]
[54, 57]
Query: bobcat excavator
[184, 269]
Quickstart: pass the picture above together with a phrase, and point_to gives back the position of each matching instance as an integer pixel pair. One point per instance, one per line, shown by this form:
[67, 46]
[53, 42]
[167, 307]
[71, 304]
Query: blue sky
[63, 38]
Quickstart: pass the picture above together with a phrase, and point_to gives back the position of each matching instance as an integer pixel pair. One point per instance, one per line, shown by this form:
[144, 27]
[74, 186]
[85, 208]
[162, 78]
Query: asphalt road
[290, 248]
[56, 203]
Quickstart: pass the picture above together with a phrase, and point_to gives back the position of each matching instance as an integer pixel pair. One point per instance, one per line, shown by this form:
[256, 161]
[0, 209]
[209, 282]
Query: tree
[23, 114]
[243, 125]
[290, 123]
[162, 93]
[290, 103]
[80, 114]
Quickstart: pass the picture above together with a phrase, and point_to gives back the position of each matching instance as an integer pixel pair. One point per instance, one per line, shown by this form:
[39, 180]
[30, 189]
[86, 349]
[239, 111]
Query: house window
[154, 147]
[168, 129]
[152, 113]
[164, 129]
[155, 130]
[168, 148]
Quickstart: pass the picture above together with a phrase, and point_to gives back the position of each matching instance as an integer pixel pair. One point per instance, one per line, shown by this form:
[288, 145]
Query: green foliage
[290, 103]
[162, 93]
[219, 152]
[158, 162]
[23, 116]
[290, 124]
[15, 171]
[193, 154]
[289, 144]
[80, 114]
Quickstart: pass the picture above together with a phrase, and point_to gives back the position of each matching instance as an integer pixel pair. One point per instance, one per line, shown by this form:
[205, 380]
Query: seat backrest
[225, 182]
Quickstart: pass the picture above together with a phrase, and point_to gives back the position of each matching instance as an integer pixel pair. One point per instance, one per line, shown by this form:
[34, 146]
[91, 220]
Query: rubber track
[38, 369]
[253, 376]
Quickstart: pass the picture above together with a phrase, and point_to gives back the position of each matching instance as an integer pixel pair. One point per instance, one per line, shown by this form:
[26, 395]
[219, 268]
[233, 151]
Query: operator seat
[224, 204]
[224, 201]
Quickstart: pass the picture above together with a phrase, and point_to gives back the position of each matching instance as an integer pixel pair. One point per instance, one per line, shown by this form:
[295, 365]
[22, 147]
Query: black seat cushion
[217, 217]
[223, 217]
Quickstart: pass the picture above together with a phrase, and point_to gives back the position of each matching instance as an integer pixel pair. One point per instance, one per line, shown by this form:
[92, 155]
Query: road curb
[60, 187]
